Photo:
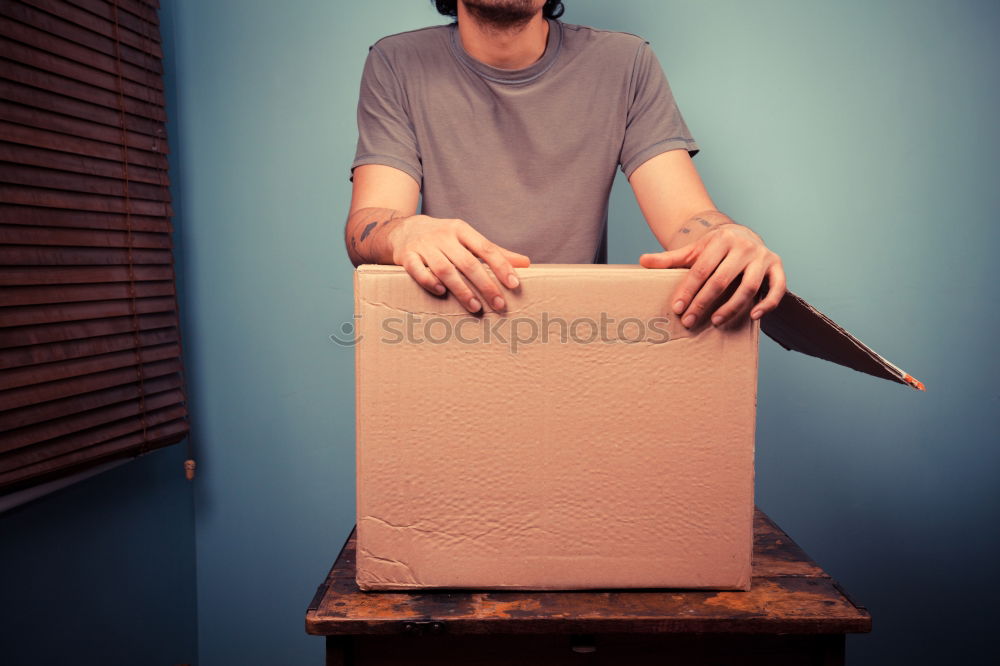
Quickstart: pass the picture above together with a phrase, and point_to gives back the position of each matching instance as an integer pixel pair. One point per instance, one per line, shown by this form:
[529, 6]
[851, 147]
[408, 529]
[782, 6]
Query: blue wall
[858, 138]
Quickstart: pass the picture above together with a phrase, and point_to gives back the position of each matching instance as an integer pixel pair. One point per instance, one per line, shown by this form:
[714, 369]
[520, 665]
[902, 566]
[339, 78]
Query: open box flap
[798, 326]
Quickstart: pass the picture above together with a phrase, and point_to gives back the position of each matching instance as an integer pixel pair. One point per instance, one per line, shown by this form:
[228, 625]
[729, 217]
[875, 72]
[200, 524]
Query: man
[511, 125]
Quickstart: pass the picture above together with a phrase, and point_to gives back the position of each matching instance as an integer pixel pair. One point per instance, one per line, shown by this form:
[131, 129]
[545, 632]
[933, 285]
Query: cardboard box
[583, 439]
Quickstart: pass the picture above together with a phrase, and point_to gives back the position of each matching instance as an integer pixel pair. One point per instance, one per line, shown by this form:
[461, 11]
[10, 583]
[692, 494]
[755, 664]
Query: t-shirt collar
[524, 75]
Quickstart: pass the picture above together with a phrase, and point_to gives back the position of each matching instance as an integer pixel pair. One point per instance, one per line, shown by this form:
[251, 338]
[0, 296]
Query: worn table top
[790, 594]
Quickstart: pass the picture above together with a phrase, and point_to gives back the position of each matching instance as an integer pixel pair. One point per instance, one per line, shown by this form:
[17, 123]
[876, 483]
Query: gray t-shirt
[527, 156]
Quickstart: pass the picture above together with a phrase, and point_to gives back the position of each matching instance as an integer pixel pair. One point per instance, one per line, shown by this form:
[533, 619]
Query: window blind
[90, 349]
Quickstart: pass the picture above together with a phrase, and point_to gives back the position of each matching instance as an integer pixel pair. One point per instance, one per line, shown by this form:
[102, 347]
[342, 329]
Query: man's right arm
[380, 195]
[440, 254]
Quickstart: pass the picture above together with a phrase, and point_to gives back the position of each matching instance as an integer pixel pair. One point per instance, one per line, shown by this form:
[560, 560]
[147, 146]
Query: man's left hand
[726, 253]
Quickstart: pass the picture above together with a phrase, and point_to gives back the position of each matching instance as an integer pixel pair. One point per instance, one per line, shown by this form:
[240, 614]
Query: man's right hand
[444, 255]
[441, 255]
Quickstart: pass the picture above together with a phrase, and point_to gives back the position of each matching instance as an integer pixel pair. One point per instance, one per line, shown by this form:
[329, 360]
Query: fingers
[669, 259]
[775, 292]
[712, 285]
[494, 257]
[702, 269]
[731, 258]
[414, 265]
[743, 296]
[515, 258]
[474, 271]
[444, 255]
[445, 271]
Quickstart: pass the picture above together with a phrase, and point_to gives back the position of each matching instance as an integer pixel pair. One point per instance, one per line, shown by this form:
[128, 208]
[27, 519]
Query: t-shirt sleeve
[654, 123]
[385, 133]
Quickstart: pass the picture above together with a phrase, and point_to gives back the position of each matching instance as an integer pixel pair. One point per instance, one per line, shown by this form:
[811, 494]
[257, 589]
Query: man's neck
[515, 48]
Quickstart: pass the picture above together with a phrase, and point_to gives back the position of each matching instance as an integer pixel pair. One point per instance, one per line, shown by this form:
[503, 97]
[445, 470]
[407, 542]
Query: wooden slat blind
[90, 350]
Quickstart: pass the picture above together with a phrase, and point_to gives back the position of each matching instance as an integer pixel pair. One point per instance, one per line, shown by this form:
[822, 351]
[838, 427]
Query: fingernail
[678, 307]
[475, 305]
[755, 314]
[498, 303]
[439, 289]
[716, 320]
[513, 281]
[688, 320]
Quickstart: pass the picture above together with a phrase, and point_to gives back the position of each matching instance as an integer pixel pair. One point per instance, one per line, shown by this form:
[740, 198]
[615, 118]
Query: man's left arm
[698, 236]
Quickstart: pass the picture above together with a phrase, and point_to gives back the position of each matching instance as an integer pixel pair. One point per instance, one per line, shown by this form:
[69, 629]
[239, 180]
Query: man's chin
[502, 14]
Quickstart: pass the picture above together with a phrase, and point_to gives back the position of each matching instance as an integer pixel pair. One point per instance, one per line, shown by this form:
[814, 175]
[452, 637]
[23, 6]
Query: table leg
[339, 651]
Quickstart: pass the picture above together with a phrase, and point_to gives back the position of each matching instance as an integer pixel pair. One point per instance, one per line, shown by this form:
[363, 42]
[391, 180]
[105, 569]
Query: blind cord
[133, 308]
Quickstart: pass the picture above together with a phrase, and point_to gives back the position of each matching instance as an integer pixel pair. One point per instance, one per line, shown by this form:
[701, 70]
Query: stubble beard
[501, 15]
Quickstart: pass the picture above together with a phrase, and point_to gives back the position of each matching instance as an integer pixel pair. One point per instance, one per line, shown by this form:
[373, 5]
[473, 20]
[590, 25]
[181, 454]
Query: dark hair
[553, 9]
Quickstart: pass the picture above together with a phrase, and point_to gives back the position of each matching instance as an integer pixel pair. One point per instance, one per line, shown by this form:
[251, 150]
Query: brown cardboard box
[583, 439]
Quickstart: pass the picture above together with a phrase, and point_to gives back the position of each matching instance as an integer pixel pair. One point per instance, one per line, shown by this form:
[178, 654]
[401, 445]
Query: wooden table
[794, 614]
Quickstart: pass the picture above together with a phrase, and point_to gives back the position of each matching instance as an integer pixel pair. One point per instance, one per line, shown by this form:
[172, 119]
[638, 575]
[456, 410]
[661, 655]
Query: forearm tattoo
[368, 229]
[697, 226]
[372, 219]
